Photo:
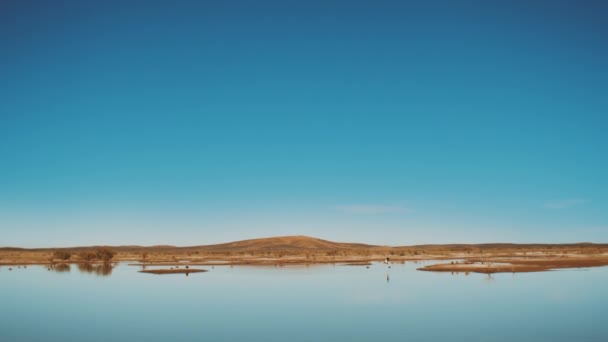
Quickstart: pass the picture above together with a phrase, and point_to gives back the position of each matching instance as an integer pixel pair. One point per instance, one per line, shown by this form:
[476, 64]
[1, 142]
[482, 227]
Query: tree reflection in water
[86, 267]
[103, 270]
[61, 268]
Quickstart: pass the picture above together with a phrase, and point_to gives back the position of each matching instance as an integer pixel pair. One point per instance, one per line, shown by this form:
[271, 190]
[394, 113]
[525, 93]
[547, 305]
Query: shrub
[62, 255]
[87, 256]
[104, 254]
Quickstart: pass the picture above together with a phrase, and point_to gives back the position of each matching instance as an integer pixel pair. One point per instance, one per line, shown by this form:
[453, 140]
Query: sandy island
[174, 271]
[512, 265]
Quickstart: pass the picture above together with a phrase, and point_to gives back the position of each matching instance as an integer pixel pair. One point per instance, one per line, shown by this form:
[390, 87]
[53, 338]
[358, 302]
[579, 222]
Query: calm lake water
[316, 303]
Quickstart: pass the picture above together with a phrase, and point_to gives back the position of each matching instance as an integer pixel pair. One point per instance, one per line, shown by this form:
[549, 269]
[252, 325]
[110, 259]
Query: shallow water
[316, 303]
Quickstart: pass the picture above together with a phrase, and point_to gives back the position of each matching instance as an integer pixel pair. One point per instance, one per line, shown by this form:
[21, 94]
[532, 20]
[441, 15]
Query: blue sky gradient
[384, 122]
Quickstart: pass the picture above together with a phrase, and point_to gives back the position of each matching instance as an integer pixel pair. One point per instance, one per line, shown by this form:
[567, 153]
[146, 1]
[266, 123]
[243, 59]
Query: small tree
[87, 256]
[104, 254]
[144, 256]
[61, 255]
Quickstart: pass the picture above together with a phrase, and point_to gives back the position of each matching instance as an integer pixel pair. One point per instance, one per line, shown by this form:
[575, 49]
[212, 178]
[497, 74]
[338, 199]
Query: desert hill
[299, 242]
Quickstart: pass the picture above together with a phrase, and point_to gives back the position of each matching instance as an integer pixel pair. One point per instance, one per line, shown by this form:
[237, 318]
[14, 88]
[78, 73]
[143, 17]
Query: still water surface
[316, 303]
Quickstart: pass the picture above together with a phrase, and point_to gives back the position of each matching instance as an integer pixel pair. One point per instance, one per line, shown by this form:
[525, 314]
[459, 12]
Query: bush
[87, 256]
[104, 254]
[62, 255]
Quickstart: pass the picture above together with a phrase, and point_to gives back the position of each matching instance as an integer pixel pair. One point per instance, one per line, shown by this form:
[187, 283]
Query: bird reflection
[490, 278]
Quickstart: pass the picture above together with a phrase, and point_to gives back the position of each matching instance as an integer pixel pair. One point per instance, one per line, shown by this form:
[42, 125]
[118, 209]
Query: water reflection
[103, 270]
[490, 278]
[86, 267]
[532, 307]
[60, 268]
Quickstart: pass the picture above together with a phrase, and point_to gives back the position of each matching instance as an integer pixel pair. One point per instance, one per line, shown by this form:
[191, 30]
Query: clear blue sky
[145, 122]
